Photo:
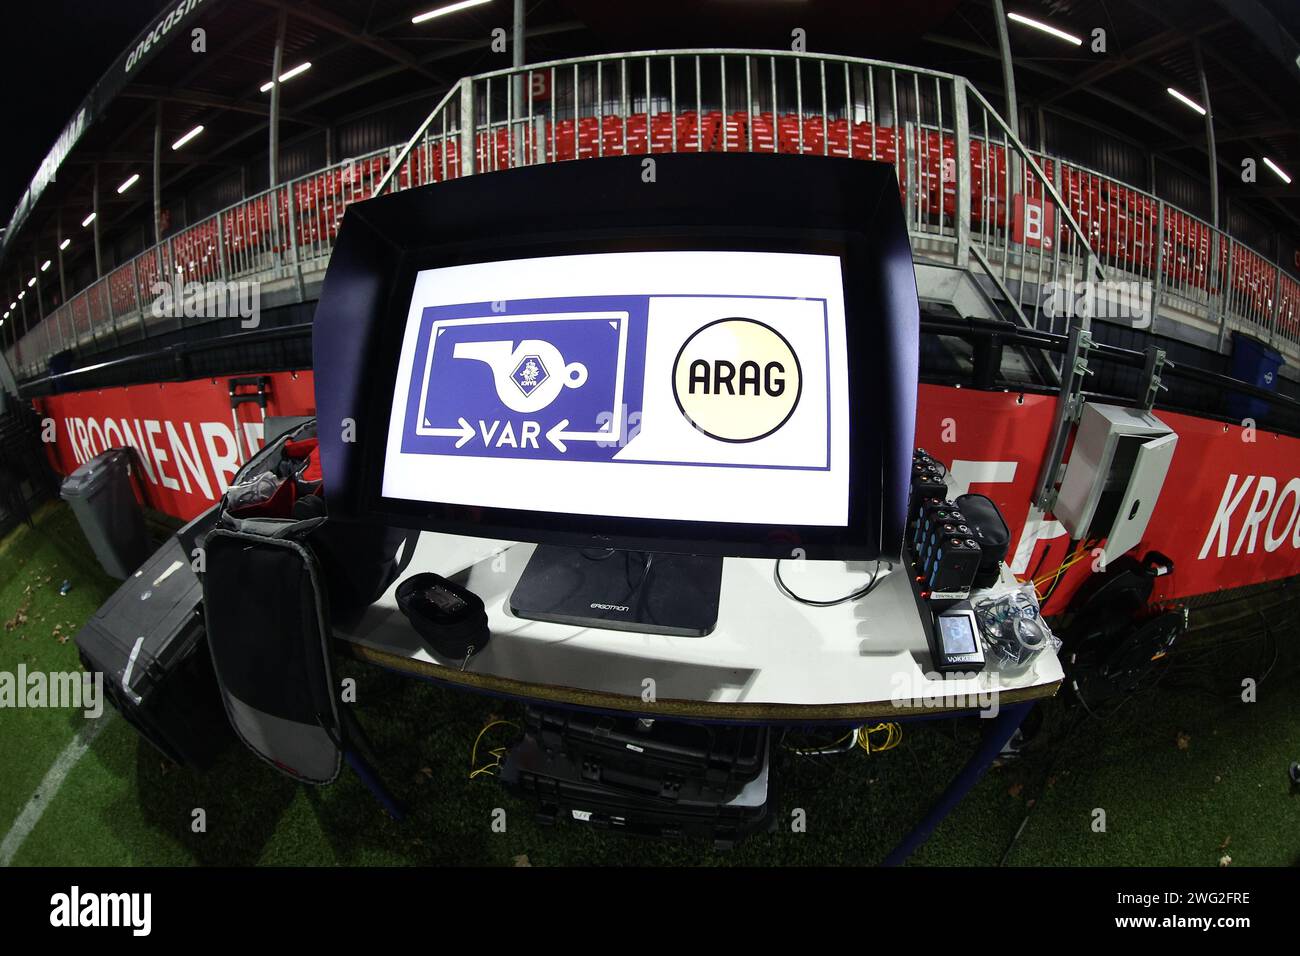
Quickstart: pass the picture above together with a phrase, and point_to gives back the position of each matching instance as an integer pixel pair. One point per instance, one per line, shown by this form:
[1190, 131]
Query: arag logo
[737, 380]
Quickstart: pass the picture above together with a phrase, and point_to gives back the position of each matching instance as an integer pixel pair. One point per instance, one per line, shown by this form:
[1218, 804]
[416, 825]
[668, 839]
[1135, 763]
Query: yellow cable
[498, 752]
[893, 737]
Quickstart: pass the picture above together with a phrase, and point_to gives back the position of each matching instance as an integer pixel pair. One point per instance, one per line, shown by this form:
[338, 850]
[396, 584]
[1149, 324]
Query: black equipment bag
[990, 531]
[268, 619]
[278, 574]
[553, 783]
[148, 641]
[666, 759]
[357, 562]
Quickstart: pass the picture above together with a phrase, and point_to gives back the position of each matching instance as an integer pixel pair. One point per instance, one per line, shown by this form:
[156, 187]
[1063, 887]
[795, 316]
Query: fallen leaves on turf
[19, 618]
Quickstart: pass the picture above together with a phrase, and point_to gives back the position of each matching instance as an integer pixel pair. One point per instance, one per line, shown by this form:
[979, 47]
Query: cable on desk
[859, 593]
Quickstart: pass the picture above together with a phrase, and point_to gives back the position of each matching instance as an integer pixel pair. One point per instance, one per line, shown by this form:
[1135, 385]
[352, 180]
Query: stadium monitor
[641, 374]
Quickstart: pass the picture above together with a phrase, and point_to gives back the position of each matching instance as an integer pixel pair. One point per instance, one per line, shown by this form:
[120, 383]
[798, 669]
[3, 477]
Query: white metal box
[1114, 476]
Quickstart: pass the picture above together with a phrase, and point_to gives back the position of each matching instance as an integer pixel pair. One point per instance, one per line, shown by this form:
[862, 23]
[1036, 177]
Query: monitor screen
[688, 385]
[718, 362]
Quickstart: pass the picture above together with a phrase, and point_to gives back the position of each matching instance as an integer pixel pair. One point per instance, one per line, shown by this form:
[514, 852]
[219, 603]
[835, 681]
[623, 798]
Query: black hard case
[148, 641]
[560, 794]
[667, 759]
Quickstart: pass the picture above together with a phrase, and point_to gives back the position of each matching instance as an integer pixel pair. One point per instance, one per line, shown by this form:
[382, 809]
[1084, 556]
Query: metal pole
[157, 173]
[517, 84]
[63, 283]
[1009, 91]
[467, 119]
[961, 129]
[277, 60]
[1008, 75]
[36, 271]
[94, 208]
[1209, 137]
[518, 43]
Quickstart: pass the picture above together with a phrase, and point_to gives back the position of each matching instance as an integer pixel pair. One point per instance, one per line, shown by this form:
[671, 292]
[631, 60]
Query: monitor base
[644, 591]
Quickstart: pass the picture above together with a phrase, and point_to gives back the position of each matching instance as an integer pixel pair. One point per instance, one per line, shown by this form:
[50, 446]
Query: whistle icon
[528, 376]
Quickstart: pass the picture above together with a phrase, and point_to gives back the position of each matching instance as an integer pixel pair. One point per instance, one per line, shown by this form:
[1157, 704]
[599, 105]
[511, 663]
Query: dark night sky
[51, 53]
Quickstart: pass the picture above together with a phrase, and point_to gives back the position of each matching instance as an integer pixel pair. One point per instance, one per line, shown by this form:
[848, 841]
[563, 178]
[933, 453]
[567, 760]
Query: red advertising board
[1229, 514]
[189, 440]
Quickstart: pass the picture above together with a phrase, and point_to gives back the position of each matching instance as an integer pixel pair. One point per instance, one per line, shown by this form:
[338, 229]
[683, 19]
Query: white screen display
[696, 386]
[958, 638]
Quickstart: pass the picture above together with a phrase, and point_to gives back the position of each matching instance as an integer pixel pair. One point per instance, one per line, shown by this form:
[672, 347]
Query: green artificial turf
[38, 628]
[1186, 774]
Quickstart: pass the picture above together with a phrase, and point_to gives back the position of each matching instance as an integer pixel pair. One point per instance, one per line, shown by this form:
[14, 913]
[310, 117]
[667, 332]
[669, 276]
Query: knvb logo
[737, 380]
[529, 374]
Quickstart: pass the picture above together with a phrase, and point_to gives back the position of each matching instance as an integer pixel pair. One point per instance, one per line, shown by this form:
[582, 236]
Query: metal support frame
[1209, 135]
[1009, 91]
[1277, 307]
[961, 135]
[58, 239]
[157, 172]
[1225, 297]
[1069, 406]
[296, 259]
[1151, 374]
[1157, 280]
[36, 271]
[997, 734]
[467, 120]
[273, 125]
[94, 208]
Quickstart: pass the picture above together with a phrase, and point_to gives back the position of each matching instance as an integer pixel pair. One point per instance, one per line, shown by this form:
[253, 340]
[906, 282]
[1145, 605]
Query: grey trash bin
[101, 496]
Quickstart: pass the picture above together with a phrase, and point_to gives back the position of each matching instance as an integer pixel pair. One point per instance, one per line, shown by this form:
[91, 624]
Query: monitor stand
[645, 591]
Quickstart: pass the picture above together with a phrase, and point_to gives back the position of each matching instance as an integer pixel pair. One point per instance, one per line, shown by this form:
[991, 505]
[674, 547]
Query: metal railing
[973, 194]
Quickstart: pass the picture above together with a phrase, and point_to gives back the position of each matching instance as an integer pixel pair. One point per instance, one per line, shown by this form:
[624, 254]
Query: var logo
[737, 380]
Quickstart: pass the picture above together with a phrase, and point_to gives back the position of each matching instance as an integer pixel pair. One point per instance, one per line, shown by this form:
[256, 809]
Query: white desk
[770, 658]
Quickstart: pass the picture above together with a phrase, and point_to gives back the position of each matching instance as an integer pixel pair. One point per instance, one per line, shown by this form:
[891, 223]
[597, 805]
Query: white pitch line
[50, 784]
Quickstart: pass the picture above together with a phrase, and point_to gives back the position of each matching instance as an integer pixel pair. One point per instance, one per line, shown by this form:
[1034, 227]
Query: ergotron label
[700, 386]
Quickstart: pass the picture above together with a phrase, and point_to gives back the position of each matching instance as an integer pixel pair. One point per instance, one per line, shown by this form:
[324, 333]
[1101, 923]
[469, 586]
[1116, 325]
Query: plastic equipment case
[665, 759]
[101, 495]
[148, 640]
[556, 784]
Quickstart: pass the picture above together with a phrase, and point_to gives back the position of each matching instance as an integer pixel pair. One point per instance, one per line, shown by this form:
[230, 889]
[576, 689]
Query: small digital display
[958, 635]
